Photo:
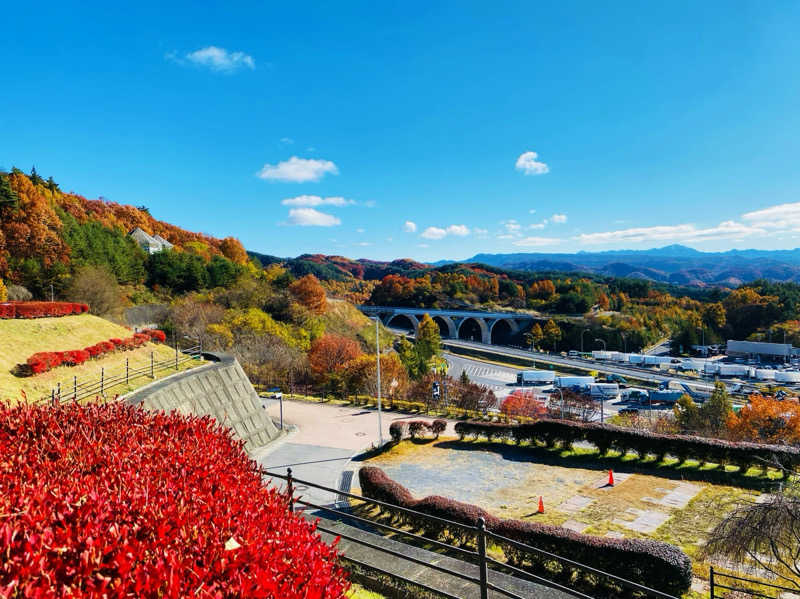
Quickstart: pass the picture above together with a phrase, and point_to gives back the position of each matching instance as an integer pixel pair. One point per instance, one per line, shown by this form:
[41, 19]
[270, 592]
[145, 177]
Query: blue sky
[428, 130]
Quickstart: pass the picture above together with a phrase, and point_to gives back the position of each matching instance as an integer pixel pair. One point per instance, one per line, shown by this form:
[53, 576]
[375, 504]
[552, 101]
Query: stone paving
[678, 498]
[645, 521]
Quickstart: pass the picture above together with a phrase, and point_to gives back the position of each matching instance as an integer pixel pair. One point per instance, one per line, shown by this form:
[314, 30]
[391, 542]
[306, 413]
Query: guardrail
[728, 583]
[75, 391]
[476, 557]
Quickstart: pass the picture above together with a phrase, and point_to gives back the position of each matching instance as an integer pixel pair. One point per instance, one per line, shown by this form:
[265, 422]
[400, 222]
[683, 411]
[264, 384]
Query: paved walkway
[325, 439]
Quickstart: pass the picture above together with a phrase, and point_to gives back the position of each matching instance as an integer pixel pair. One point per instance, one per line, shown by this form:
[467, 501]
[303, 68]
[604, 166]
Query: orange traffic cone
[541, 505]
[610, 478]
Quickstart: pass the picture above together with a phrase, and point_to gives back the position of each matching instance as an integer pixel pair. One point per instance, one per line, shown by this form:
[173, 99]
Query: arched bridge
[487, 327]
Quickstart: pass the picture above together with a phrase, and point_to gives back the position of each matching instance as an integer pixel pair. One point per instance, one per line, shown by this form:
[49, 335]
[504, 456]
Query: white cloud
[423, 245]
[480, 232]
[528, 164]
[685, 232]
[536, 241]
[360, 230]
[434, 233]
[309, 217]
[287, 140]
[410, 226]
[782, 216]
[219, 59]
[559, 218]
[298, 170]
[511, 226]
[537, 226]
[532, 211]
[458, 230]
[309, 201]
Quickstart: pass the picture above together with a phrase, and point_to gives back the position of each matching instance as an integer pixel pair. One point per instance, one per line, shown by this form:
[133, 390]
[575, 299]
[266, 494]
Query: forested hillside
[47, 235]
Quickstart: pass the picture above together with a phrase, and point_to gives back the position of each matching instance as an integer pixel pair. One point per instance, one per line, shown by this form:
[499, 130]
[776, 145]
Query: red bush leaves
[43, 361]
[114, 501]
[40, 309]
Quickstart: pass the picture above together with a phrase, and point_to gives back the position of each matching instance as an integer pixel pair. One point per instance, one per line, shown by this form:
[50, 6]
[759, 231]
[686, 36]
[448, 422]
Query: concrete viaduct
[487, 327]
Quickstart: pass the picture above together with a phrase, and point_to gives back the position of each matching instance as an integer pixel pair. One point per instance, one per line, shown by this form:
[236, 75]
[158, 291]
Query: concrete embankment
[220, 389]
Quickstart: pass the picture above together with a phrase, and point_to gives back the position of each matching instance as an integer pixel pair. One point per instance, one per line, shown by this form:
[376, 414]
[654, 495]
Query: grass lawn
[359, 592]
[672, 506]
[19, 338]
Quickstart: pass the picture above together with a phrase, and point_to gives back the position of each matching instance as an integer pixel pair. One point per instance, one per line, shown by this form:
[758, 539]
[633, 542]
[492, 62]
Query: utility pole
[378, 361]
[582, 332]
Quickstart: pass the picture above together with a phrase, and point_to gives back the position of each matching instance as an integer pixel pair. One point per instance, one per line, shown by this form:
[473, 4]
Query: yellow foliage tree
[3, 291]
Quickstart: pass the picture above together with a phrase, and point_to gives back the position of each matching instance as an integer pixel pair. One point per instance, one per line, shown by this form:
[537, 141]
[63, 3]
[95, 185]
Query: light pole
[624, 342]
[703, 340]
[582, 332]
[378, 361]
[603, 341]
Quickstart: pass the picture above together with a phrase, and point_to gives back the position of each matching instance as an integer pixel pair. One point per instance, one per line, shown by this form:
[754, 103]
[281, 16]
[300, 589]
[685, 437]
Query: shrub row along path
[319, 448]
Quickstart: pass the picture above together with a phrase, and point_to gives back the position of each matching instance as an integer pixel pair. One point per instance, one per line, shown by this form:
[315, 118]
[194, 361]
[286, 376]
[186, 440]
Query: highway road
[502, 379]
[645, 374]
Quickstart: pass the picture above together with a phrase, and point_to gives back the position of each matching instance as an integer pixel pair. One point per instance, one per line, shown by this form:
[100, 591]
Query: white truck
[535, 377]
[604, 391]
[566, 382]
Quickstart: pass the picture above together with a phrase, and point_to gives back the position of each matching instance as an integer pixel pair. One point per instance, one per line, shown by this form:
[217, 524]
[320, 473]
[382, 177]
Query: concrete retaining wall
[220, 389]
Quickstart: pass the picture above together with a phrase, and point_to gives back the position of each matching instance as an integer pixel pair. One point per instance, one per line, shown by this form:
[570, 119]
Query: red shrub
[156, 335]
[523, 403]
[7, 311]
[45, 309]
[89, 514]
[117, 342]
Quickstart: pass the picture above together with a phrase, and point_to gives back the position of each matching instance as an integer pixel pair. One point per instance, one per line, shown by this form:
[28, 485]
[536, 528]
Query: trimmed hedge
[416, 428]
[40, 309]
[651, 563]
[43, 361]
[643, 443]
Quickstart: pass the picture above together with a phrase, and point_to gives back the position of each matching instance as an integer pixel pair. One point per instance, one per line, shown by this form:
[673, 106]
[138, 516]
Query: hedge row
[643, 443]
[102, 501]
[40, 309]
[415, 428]
[651, 563]
[43, 361]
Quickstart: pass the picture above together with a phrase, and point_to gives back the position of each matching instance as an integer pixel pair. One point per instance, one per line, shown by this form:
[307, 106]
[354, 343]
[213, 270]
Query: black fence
[76, 390]
[477, 557]
[728, 585]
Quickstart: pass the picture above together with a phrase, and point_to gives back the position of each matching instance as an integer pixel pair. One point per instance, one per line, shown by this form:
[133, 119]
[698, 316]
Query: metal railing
[476, 557]
[722, 584]
[91, 387]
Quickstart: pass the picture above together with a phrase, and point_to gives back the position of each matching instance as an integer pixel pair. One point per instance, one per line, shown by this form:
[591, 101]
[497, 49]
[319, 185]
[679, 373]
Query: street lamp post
[624, 342]
[603, 341]
[378, 361]
[582, 332]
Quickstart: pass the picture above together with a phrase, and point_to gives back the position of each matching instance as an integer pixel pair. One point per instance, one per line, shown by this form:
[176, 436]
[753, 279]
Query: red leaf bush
[40, 309]
[651, 563]
[115, 501]
[43, 361]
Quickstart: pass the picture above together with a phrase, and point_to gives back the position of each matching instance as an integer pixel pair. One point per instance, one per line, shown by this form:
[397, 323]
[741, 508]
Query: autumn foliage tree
[310, 293]
[328, 359]
[766, 420]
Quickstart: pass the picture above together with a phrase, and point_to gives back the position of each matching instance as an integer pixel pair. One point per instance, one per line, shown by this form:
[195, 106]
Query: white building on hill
[149, 243]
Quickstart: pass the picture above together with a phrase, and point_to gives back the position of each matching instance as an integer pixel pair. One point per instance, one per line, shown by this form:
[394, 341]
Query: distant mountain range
[675, 264]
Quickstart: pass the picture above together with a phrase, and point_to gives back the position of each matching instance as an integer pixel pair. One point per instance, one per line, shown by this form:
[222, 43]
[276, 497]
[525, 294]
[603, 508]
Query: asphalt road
[603, 367]
[502, 380]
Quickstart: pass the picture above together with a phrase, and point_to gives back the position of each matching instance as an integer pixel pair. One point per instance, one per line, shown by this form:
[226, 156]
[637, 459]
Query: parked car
[629, 411]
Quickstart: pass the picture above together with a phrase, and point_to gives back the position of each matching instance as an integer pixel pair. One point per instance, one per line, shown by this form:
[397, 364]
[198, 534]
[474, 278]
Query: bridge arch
[503, 331]
[474, 329]
[409, 322]
[447, 328]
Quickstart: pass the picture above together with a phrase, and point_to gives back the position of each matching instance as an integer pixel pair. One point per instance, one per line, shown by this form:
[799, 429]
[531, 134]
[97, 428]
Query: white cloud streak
[685, 232]
[559, 218]
[219, 59]
[310, 201]
[537, 241]
[434, 233]
[529, 165]
[298, 170]
[410, 226]
[781, 216]
[309, 217]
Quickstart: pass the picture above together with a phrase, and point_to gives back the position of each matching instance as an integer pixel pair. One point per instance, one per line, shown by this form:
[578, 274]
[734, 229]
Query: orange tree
[766, 420]
[310, 293]
[328, 359]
